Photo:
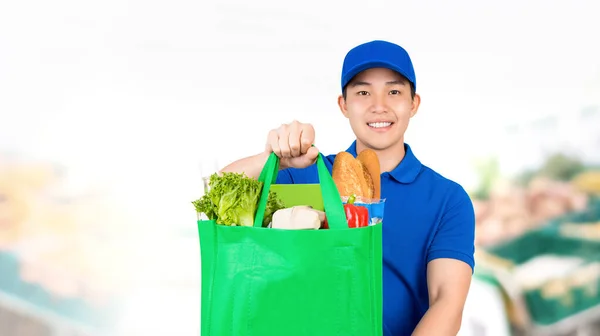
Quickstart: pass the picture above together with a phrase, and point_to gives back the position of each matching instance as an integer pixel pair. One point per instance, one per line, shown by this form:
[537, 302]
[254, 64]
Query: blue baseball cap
[377, 54]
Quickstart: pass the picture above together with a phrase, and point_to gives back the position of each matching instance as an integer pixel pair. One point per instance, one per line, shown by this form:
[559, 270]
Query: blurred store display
[63, 258]
[506, 208]
[538, 238]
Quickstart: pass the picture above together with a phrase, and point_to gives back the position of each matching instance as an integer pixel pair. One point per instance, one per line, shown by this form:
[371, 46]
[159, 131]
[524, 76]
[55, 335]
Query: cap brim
[370, 65]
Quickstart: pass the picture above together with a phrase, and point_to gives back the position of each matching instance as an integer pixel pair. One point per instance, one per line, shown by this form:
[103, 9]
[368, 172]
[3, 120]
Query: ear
[342, 105]
[415, 105]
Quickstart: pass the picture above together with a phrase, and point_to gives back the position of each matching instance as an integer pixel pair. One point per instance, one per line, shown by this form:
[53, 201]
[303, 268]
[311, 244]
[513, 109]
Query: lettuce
[232, 199]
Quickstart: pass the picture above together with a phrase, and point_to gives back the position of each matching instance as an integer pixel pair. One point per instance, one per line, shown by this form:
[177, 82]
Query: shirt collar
[408, 169]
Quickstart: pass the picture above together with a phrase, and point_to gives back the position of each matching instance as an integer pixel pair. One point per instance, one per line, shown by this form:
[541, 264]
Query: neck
[389, 158]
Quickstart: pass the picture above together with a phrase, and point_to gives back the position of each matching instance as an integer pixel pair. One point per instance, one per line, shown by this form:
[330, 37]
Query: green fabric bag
[270, 282]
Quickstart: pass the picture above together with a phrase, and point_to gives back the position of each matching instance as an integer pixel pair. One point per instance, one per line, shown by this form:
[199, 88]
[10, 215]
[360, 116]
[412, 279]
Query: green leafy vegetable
[273, 204]
[233, 198]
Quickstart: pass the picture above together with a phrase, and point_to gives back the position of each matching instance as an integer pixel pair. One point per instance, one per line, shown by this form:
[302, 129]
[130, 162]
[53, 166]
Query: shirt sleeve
[455, 236]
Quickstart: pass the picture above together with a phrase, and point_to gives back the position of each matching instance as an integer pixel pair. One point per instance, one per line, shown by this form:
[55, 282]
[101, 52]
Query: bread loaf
[357, 176]
[370, 162]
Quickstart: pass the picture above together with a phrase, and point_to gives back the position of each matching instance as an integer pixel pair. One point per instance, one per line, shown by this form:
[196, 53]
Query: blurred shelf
[53, 324]
[73, 316]
[570, 324]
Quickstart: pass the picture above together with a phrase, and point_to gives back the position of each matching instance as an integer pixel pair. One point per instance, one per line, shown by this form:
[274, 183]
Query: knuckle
[308, 128]
[273, 137]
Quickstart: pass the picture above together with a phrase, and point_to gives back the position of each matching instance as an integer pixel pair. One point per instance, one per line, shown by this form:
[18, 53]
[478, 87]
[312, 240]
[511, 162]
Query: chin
[381, 144]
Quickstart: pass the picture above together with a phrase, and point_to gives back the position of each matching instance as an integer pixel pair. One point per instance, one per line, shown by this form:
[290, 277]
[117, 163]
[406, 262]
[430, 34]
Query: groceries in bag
[233, 198]
[375, 207]
[358, 176]
[298, 218]
[359, 183]
[357, 215]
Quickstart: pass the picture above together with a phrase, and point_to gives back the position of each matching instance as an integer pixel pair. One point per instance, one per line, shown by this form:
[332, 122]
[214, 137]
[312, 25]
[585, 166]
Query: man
[428, 234]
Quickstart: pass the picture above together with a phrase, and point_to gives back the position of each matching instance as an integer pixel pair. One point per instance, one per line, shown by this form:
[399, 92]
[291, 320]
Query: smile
[380, 124]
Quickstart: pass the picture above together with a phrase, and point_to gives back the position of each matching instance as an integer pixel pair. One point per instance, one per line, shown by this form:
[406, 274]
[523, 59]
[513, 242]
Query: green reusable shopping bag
[271, 282]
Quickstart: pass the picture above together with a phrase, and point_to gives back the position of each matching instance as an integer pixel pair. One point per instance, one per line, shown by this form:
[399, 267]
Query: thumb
[311, 154]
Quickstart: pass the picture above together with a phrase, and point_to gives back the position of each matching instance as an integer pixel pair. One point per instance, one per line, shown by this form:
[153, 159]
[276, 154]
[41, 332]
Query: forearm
[251, 166]
[442, 319]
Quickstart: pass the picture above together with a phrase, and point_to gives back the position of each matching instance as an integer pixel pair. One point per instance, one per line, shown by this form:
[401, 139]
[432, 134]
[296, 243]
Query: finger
[294, 139]
[283, 141]
[273, 143]
[307, 138]
[311, 155]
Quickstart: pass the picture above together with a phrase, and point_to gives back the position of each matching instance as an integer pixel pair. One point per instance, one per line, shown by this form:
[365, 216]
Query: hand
[292, 143]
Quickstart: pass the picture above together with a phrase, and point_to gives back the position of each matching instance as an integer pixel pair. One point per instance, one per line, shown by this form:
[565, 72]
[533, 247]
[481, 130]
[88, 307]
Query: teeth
[380, 124]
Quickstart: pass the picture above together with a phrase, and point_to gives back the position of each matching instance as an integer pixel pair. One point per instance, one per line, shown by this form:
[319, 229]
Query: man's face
[379, 106]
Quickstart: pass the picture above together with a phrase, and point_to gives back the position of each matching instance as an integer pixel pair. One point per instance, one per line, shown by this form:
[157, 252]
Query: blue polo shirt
[427, 216]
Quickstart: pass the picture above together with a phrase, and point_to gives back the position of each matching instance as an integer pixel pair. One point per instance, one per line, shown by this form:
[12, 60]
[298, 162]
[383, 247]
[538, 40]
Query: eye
[395, 92]
[362, 93]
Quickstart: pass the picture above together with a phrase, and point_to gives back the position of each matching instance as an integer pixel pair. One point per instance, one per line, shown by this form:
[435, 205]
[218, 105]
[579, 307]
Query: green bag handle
[334, 210]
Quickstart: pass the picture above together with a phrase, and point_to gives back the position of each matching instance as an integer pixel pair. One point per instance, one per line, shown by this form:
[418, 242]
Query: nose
[379, 105]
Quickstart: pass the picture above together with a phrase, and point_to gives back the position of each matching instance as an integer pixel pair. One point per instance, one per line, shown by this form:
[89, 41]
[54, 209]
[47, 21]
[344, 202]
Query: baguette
[370, 162]
[357, 176]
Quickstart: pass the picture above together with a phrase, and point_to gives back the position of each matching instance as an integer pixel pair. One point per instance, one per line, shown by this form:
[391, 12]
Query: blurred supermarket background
[112, 111]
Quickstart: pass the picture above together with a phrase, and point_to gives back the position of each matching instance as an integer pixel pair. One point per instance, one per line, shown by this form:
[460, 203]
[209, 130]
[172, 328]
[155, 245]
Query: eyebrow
[396, 82]
[359, 83]
[362, 83]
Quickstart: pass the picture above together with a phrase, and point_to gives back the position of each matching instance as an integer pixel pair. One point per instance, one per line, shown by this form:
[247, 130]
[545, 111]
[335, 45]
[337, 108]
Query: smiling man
[428, 235]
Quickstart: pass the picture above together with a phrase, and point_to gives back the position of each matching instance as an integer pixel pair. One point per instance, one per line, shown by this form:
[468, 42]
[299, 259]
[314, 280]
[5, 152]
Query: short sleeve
[284, 177]
[455, 236]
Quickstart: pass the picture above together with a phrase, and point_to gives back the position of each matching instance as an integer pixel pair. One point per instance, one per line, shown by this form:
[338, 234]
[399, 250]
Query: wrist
[262, 159]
